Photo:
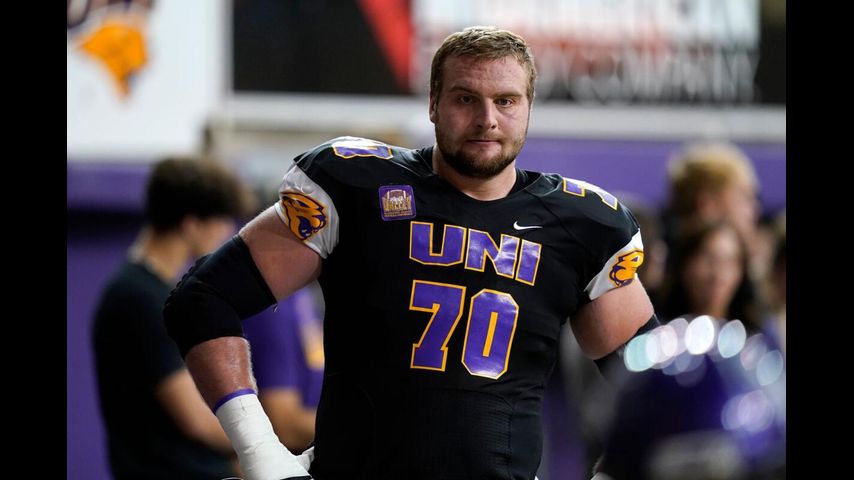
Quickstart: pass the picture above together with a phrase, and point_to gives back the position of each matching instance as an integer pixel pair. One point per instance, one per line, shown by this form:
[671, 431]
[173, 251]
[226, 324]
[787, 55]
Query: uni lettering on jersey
[482, 246]
[511, 257]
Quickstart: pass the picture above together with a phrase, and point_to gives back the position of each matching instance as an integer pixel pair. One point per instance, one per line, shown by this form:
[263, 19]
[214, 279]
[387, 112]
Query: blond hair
[488, 43]
[705, 167]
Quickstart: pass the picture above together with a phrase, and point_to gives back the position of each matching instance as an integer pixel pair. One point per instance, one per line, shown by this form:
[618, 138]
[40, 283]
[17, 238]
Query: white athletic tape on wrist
[261, 455]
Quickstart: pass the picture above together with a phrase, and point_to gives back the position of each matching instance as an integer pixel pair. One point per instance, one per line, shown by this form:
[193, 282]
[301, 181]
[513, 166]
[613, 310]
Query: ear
[433, 101]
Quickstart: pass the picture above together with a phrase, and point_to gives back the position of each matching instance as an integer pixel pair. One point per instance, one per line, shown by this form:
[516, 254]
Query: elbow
[599, 347]
[599, 335]
[195, 313]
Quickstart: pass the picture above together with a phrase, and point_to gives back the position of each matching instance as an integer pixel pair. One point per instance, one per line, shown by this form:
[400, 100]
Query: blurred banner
[710, 52]
[145, 78]
[142, 76]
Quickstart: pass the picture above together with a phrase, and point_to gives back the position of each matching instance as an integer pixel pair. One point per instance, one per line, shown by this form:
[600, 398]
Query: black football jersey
[443, 312]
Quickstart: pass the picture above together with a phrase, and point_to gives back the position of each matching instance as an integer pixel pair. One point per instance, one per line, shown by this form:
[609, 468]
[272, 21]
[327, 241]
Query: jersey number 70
[489, 330]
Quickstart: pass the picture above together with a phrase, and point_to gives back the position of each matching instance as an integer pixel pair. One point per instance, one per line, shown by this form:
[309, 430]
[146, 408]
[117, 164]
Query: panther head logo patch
[623, 271]
[305, 215]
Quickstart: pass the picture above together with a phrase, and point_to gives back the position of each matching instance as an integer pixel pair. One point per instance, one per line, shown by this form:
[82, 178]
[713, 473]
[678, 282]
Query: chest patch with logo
[397, 202]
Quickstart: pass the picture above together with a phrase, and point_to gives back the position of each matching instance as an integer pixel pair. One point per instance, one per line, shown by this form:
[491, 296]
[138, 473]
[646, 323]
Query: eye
[504, 102]
[467, 99]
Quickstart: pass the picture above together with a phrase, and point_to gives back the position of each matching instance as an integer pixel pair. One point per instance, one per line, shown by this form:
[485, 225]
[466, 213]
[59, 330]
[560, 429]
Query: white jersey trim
[601, 283]
[324, 240]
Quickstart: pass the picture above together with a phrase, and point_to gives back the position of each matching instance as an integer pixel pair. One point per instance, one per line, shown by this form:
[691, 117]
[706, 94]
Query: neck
[478, 188]
[164, 253]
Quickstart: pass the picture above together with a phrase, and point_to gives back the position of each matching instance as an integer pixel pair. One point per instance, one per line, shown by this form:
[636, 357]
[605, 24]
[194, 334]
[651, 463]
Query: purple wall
[112, 196]
[100, 187]
[104, 204]
[639, 167]
[95, 247]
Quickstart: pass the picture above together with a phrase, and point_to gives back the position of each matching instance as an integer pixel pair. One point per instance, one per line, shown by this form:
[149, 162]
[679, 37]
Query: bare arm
[179, 396]
[209, 303]
[221, 366]
[285, 262]
[610, 320]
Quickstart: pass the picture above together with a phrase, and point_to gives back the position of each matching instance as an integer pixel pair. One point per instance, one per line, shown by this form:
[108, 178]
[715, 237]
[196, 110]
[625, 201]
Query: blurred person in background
[711, 181]
[286, 346]
[157, 424]
[709, 276]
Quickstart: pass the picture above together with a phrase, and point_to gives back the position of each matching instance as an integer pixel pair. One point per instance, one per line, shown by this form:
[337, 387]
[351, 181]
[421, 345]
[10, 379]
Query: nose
[487, 118]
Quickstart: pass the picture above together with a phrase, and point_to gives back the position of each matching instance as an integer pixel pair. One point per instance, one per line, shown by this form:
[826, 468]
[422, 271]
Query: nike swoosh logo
[525, 227]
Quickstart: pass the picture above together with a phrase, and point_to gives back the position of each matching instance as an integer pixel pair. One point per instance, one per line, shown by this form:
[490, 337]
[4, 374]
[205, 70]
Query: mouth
[479, 141]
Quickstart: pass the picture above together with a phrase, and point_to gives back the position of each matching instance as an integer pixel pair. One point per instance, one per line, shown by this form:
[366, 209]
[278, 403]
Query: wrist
[261, 455]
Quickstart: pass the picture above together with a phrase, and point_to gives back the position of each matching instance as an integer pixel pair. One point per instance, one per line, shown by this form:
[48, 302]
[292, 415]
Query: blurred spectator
[157, 424]
[711, 182]
[286, 344]
[709, 277]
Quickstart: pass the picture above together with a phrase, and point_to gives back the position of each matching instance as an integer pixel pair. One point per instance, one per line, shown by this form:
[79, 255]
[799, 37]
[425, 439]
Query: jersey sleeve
[611, 236]
[308, 210]
[619, 269]
[308, 197]
[322, 183]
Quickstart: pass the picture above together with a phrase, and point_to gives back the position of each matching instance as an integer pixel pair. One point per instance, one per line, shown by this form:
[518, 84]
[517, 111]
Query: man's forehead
[469, 62]
[468, 72]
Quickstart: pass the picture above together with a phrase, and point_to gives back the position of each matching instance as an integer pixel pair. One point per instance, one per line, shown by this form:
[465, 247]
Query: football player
[447, 273]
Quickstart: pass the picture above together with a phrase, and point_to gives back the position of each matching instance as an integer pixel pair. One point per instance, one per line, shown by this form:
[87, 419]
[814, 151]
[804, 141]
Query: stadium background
[622, 85]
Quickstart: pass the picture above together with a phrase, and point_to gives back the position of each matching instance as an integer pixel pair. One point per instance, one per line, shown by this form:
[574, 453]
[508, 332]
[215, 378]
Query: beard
[469, 165]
